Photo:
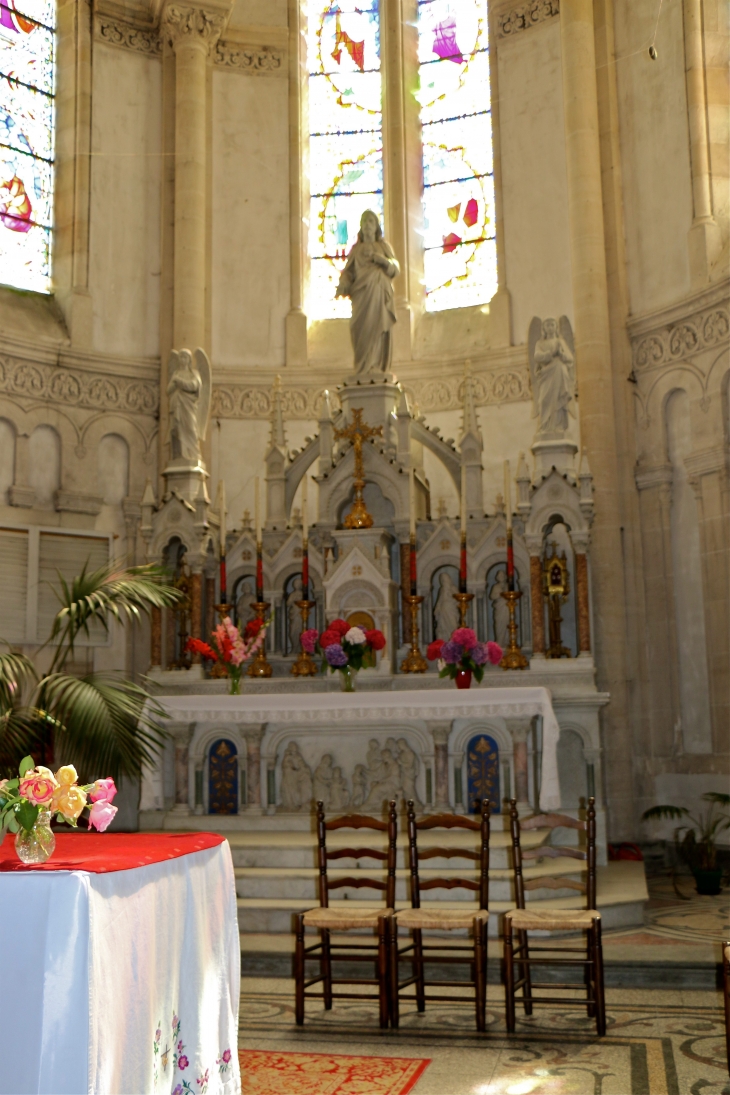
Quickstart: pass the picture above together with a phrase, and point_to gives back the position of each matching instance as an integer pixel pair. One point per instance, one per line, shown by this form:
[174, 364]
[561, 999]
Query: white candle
[258, 513]
[463, 500]
[305, 521]
[507, 495]
[222, 513]
[412, 501]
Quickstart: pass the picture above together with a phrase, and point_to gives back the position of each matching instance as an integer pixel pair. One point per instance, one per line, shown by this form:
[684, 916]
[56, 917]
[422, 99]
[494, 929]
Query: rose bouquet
[230, 648]
[27, 803]
[344, 648]
[463, 656]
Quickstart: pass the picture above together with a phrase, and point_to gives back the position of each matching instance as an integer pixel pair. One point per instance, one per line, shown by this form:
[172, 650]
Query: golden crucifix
[358, 432]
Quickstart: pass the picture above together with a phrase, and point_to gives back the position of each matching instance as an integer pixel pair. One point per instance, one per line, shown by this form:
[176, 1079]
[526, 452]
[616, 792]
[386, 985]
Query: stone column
[253, 736]
[182, 733]
[440, 732]
[582, 603]
[196, 609]
[537, 607]
[704, 238]
[519, 729]
[156, 638]
[595, 383]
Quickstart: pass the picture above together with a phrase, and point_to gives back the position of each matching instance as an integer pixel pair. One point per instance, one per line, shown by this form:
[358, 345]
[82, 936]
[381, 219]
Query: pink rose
[102, 814]
[38, 786]
[104, 790]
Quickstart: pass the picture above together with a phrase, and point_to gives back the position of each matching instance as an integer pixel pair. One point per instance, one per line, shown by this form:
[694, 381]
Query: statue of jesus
[368, 281]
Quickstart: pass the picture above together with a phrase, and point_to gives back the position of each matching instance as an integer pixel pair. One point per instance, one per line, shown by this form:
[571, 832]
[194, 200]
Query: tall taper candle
[463, 501]
[412, 502]
[257, 511]
[222, 534]
[305, 542]
[508, 511]
[259, 553]
[462, 552]
[305, 519]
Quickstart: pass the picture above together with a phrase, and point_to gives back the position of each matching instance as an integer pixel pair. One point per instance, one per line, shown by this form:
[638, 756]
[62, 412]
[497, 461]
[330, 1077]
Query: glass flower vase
[234, 684]
[347, 678]
[36, 845]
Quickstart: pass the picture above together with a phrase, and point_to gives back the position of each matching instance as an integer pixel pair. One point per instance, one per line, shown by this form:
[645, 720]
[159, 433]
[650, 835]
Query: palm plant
[696, 838]
[100, 722]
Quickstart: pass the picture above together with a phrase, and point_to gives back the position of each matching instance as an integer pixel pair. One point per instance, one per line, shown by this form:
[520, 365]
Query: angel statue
[188, 391]
[368, 281]
[552, 368]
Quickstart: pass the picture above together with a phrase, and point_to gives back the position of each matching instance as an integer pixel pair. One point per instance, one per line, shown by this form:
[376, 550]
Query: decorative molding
[509, 385]
[76, 388]
[185, 23]
[658, 475]
[114, 32]
[513, 20]
[73, 501]
[250, 59]
[677, 341]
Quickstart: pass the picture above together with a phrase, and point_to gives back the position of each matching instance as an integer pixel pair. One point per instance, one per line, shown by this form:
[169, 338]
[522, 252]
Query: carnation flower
[356, 636]
[465, 636]
[328, 637]
[376, 638]
[434, 649]
[340, 626]
[495, 652]
[308, 640]
[336, 656]
[452, 652]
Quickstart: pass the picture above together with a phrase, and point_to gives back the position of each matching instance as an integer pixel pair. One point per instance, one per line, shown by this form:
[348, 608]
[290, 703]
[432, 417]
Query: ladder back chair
[417, 919]
[521, 920]
[726, 995]
[327, 919]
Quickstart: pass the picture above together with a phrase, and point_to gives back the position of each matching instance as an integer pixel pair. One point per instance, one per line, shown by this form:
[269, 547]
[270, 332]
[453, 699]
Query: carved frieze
[116, 33]
[675, 341]
[523, 16]
[72, 387]
[248, 59]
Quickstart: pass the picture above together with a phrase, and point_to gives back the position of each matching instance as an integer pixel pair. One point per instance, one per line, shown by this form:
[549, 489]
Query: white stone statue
[368, 281]
[295, 615]
[188, 392]
[500, 609]
[359, 785]
[339, 795]
[446, 610]
[408, 772]
[322, 781]
[388, 786]
[296, 780]
[551, 354]
[245, 602]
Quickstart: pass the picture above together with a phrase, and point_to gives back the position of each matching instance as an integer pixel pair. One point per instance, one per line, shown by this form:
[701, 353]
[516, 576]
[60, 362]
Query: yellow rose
[67, 775]
[68, 801]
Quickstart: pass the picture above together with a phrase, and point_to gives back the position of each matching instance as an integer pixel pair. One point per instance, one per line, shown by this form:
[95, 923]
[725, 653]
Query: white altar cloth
[94, 965]
[364, 708]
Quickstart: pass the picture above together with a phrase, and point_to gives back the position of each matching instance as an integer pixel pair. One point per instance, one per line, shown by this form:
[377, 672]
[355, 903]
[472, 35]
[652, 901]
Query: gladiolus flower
[465, 636]
[68, 801]
[197, 646]
[434, 649]
[356, 636]
[328, 637]
[104, 789]
[38, 786]
[309, 640]
[376, 638]
[252, 628]
[101, 815]
[495, 652]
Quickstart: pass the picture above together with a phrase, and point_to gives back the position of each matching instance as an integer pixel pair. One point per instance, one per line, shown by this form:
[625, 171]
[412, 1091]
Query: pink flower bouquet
[37, 789]
[463, 652]
[230, 648]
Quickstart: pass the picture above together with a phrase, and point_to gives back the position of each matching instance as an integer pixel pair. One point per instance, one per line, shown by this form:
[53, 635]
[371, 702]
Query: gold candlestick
[415, 661]
[358, 432]
[513, 657]
[260, 667]
[463, 599]
[305, 665]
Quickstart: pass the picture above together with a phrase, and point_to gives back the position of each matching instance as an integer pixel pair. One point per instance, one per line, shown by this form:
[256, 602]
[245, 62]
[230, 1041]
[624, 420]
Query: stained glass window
[460, 254]
[345, 139]
[26, 142]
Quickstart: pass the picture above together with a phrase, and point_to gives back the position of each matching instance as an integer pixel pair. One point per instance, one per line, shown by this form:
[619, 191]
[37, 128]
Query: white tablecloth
[93, 966]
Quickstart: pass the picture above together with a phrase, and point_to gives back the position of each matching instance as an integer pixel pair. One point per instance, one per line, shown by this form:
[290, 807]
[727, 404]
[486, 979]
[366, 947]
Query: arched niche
[223, 777]
[112, 462]
[243, 595]
[7, 458]
[557, 531]
[572, 773]
[443, 609]
[496, 615]
[44, 473]
[378, 506]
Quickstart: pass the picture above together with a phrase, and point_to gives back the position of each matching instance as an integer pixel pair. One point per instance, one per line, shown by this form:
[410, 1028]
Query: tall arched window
[27, 47]
[345, 139]
[460, 251]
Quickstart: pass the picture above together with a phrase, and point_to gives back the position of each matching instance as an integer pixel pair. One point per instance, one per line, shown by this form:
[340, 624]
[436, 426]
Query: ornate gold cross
[358, 432]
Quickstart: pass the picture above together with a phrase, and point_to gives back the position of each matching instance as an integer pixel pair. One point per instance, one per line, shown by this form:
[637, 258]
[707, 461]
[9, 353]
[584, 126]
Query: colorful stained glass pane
[26, 142]
[460, 256]
[345, 140]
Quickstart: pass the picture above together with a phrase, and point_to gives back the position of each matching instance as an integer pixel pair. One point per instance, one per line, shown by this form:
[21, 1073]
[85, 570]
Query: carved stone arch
[99, 425]
[360, 590]
[204, 738]
[27, 418]
[388, 482]
[680, 375]
[724, 356]
[492, 725]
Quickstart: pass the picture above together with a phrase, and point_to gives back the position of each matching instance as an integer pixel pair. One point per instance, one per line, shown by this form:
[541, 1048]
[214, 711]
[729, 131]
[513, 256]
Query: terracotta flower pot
[463, 678]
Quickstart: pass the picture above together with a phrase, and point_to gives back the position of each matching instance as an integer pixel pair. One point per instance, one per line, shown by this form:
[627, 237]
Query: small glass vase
[36, 845]
[347, 679]
[234, 684]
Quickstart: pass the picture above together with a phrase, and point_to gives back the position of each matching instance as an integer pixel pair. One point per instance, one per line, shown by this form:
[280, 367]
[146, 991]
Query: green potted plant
[696, 838]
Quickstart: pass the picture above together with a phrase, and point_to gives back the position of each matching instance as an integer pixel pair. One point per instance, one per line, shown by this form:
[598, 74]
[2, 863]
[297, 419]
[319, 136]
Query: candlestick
[513, 658]
[412, 565]
[305, 665]
[415, 661]
[260, 666]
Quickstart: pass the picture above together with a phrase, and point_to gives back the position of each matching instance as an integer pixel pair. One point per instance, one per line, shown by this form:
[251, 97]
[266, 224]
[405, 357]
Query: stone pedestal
[554, 451]
[184, 479]
[376, 398]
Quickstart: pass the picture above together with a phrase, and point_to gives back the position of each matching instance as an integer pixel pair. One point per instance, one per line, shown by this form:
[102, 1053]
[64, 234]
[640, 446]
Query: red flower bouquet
[230, 648]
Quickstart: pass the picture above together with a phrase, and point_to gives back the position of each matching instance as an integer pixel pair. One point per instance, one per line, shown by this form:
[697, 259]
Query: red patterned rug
[264, 1073]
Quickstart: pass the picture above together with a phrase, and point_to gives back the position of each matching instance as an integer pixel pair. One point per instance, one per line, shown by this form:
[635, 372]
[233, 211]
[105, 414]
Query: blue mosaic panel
[223, 778]
[482, 773]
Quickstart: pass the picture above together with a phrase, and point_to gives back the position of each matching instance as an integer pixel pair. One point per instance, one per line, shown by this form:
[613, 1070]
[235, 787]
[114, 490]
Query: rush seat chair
[518, 922]
[417, 919]
[327, 920]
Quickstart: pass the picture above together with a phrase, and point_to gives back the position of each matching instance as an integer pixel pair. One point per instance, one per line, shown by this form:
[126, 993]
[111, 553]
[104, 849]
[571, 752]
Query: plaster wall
[126, 155]
[534, 179]
[250, 211]
[655, 152]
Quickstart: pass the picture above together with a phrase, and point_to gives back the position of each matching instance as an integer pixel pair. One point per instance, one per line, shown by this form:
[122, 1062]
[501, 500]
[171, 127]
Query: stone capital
[193, 24]
[253, 736]
[519, 728]
[440, 732]
[181, 732]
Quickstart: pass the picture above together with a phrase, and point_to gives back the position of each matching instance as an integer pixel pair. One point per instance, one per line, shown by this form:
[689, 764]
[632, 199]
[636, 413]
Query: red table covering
[103, 852]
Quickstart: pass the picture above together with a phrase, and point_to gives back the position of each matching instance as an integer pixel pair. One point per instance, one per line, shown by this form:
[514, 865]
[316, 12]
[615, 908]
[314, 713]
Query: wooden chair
[521, 920]
[417, 919]
[341, 920]
[726, 995]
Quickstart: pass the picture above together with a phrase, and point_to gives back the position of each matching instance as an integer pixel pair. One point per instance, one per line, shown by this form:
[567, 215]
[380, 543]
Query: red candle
[510, 562]
[259, 574]
[413, 573]
[462, 565]
[224, 583]
[305, 571]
